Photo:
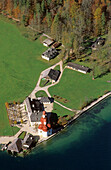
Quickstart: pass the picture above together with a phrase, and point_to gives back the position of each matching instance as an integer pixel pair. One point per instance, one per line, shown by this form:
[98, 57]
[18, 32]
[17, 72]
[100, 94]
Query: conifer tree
[43, 6]
[97, 21]
[38, 9]
[103, 20]
[48, 17]
[55, 27]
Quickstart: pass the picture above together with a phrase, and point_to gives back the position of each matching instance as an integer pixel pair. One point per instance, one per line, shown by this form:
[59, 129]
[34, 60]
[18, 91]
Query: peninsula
[49, 78]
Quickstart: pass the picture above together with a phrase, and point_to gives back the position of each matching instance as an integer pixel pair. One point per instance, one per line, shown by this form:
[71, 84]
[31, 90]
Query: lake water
[84, 145]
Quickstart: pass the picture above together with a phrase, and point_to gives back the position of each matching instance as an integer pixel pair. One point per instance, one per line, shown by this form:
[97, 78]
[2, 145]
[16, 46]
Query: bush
[68, 117]
[106, 91]
[62, 121]
[21, 120]
[87, 103]
[26, 35]
[15, 122]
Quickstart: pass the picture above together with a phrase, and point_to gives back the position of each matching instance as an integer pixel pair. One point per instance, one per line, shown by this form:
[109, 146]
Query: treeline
[68, 21]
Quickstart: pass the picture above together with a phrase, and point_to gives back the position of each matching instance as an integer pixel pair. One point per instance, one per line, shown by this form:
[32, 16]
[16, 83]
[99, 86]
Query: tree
[48, 2]
[36, 126]
[7, 105]
[87, 14]
[73, 8]
[21, 120]
[66, 39]
[43, 6]
[55, 27]
[93, 65]
[15, 122]
[9, 6]
[16, 12]
[97, 21]
[49, 19]
[103, 20]
[76, 47]
[14, 102]
[38, 9]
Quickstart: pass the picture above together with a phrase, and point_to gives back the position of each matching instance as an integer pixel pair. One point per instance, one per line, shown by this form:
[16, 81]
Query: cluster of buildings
[38, 116]
[36, 108]
[52, 52]
[19, 144]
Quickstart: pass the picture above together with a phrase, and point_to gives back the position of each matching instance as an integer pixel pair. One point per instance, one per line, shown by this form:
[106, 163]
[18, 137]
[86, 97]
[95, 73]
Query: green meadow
[60, 111]
[20, 67]
[41, 93]
[78, 88]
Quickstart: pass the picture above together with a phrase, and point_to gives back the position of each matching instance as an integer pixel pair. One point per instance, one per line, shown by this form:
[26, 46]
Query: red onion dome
[40, 126]
[49, 125]
[45, 119]
[44, 112]
[45, 128]
[42, 120]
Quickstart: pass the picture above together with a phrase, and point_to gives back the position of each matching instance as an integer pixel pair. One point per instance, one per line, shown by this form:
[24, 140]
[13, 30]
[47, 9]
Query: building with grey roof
[78, 67]
[15, 146]
[48, 42]
[36, 116]
[50, 54]
[28, 141]
[53, 75]
[34, 109]
[99, 42]
[45, 100]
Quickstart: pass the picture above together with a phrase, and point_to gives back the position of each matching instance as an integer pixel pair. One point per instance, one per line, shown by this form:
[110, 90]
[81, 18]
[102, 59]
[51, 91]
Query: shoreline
[76, 116]
[79, 113]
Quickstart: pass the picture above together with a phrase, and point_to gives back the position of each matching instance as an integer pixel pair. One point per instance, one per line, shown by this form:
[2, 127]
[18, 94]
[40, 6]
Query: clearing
[60, 111]
[78, 88]
[20, 68]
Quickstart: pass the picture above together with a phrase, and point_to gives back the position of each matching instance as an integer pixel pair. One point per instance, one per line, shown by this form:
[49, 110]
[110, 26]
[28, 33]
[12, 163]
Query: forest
[72, 22]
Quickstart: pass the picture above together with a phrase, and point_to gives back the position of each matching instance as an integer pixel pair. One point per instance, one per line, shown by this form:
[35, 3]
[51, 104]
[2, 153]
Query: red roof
[45, 119]
[44, 112]
[45, 128]
[49, 125]
[40, 126]
[42, 120]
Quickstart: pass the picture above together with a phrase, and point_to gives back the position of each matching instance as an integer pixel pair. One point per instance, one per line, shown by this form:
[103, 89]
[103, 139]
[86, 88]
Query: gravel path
[38, 88]
[72, 110]
[6, 139]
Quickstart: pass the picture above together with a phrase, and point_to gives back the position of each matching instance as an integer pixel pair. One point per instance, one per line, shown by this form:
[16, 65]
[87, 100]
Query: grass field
[78, 88]
[60, 111]
[20, 68]
[57, 67]
[22, 135]
[43, 82]
[41, 93]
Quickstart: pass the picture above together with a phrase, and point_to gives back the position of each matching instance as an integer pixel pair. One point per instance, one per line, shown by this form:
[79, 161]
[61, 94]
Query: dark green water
[85, 145]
